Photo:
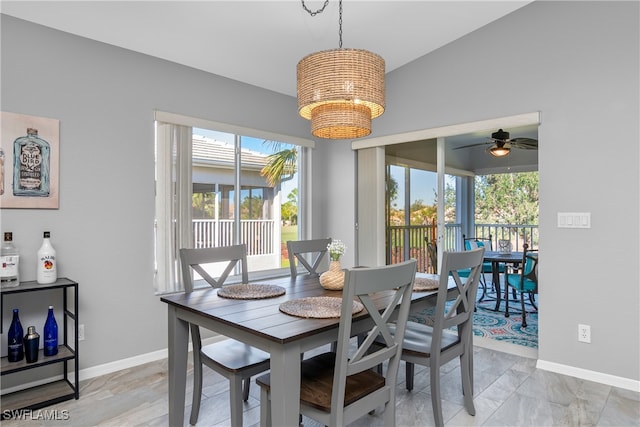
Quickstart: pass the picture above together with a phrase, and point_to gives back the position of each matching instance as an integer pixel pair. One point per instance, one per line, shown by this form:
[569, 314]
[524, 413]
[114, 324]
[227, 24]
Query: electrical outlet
[584, 333]
[80, 332]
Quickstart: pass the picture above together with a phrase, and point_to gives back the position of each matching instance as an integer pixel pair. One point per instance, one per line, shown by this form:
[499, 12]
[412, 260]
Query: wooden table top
[262, 317]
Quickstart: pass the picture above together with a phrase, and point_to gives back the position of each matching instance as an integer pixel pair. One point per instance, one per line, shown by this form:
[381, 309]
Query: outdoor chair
[233, 359]
[523, 280]
[431, 346]
[487, 267]
[339, 387]
[302, 250]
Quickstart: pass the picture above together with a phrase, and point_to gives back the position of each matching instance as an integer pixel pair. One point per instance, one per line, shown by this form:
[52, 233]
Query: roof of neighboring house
[207, 151]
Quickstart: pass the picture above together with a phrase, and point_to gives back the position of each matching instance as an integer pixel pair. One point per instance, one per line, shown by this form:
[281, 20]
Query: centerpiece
[333, 279]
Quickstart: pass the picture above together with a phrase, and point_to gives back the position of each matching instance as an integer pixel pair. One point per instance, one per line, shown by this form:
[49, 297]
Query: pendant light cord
[314, 13]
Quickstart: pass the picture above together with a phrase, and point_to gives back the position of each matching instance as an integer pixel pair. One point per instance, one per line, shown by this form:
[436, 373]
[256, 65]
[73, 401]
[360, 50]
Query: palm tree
[281, 165]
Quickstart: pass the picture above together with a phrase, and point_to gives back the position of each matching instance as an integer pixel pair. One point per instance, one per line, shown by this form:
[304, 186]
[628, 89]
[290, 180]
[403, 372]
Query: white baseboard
[586, 374]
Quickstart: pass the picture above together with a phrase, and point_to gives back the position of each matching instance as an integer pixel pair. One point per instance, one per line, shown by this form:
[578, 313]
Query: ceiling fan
[501, 144]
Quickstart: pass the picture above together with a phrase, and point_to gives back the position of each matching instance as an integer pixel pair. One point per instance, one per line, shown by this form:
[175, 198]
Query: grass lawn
[288, 232]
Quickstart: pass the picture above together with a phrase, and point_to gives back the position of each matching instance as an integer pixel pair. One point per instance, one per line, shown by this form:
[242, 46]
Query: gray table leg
[178, 350]
[285, 385]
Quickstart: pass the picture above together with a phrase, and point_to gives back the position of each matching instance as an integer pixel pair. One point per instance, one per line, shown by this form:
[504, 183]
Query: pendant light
[340, 90]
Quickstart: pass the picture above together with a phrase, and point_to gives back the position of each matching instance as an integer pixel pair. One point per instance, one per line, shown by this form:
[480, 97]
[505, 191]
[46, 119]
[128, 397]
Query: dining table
[261, 323]
[496, 258]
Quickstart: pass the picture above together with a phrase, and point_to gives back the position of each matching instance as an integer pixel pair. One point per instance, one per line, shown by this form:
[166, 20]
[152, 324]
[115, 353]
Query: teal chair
[524, 281]
[471, 243]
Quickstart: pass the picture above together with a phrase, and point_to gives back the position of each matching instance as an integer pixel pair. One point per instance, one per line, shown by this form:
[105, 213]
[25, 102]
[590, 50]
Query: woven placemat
[251, 291]
[426, 282]
[317, 307]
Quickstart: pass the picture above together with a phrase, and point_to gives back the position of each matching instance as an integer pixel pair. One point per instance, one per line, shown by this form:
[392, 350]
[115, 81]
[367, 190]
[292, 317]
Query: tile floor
[509, 391]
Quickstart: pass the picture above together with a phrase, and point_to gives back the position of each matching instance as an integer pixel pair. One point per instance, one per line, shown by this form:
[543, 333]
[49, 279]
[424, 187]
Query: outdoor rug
[492, 324]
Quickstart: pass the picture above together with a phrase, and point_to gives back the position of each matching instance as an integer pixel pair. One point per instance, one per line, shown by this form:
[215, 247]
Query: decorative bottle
[47, 265]
[31, 163]
[50, 334]
[31, 343]
[9, 262]
[15, 339]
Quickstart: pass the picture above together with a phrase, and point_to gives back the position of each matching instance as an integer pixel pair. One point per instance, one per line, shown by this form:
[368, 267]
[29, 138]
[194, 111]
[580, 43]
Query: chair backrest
[194, 259]
[529, 274]
[362, 283]
[459, 312]
[477, 242]
[312, 254]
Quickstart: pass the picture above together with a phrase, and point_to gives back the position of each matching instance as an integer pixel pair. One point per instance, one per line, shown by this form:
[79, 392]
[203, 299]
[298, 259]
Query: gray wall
[575, 62]
[105, 99]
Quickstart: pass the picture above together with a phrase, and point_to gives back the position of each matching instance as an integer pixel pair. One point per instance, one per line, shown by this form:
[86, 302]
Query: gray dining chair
[236, 361]
[339, 387]
[431, 346]
[312, 254]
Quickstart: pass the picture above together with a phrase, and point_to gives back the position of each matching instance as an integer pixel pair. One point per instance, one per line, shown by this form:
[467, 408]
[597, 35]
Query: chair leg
[524, 312]
[436, 402]
[532, 300]
[235, 395]
[197, 391]
[506, 301]
[466, 369]
[410, 368]
[265, 407]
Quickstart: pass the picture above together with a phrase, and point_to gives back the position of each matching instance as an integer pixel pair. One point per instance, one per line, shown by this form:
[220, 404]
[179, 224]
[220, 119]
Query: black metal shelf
[56, 390]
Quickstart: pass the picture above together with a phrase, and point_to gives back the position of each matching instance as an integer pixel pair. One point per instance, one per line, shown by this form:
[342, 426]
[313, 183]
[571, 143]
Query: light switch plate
[574, 219]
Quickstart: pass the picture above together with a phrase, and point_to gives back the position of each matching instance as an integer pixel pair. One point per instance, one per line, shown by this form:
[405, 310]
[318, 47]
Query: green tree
[507, 198]
[281, 165]
[289, 209]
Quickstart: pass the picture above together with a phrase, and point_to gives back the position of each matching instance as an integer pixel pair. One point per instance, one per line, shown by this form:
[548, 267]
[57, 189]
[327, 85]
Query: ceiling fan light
[499, 151]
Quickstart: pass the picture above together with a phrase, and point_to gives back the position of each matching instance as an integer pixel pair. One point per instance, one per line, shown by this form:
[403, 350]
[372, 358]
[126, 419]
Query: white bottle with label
[9, 262]
[47, 263]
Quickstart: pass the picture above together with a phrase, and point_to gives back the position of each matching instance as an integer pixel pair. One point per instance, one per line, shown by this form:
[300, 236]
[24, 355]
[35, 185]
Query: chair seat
[317, 382]
[515, 282]
[234, 356]
[417, 339]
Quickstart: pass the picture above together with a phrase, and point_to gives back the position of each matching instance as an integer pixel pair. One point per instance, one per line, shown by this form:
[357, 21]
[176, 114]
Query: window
[218, 188]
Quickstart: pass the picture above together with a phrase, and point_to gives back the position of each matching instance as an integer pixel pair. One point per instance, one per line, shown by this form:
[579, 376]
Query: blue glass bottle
[31, 163]
[50, 334]
[15, 339]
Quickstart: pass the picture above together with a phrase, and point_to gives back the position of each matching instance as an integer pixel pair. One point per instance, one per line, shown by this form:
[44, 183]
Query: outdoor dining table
[260, 323]
[495, 258]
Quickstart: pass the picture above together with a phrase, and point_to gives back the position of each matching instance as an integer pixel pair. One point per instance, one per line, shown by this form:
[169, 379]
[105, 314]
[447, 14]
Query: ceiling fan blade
[525, 143]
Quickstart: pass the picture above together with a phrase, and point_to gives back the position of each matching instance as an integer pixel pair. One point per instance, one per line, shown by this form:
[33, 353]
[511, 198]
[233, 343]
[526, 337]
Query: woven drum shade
[341, 90]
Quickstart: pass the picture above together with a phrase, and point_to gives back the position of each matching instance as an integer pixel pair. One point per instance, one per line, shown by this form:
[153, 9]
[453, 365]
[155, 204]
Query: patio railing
[258, 234]
[417, 237]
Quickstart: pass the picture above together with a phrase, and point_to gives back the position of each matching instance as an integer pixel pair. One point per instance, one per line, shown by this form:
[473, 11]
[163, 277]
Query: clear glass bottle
[9, 262]
[31, 163]
[31, 344]
[15, 340]
[50, 334]
[47, 271]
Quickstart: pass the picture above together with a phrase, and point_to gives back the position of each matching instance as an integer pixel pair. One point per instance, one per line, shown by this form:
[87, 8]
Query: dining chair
[524, 280]
[339, 387]
[487, 267]
[310, 253]
[434, 346]
[233, 359]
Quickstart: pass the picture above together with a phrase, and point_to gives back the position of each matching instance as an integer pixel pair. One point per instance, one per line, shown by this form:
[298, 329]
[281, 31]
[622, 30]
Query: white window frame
[173, 179]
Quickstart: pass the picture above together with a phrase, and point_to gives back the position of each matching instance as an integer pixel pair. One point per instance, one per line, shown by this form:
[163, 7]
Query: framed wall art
[29, 162]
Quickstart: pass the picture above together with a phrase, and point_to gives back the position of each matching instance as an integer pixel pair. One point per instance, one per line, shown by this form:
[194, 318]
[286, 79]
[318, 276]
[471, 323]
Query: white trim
[450, 130]
[179, 119]
[585, 374]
